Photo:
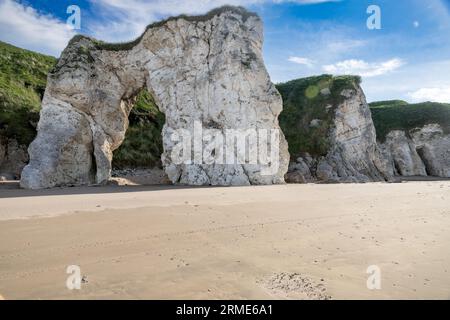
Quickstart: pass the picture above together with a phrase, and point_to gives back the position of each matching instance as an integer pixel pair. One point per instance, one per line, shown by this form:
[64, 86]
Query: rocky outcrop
[433, 147]
[402, 156]
[13, 158]
[352, 154]
[419, 152]
[205, 70]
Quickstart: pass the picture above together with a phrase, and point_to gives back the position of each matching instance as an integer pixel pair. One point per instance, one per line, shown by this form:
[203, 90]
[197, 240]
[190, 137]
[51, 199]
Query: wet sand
[280, 242]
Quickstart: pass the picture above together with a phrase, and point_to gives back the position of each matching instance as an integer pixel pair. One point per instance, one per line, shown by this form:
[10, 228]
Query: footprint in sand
[294, 286]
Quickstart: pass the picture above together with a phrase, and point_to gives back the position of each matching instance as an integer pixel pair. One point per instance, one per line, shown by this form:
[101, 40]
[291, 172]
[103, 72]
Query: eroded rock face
[402, 156]
[13, 158]
[206, 70]
[353, 154]
[433, 147]
[421, 152]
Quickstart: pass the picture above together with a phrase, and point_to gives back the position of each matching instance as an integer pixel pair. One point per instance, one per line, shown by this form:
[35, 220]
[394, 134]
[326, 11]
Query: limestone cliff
[401, 154]
[419, 152]
[332, 138]
[206, 69]
[414, 137]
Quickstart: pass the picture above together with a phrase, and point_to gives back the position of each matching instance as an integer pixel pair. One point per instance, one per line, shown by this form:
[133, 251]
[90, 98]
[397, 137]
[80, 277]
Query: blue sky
[408, 58]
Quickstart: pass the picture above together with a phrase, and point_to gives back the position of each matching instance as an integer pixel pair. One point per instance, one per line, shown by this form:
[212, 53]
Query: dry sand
[288, 241]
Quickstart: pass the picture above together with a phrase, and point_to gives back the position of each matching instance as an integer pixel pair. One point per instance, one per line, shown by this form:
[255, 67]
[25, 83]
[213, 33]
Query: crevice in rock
[94, 162]
[397, 168]
[428, 166]
[89, 118]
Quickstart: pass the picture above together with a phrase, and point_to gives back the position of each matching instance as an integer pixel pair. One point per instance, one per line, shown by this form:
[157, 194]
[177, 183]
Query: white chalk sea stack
[206, 69]
[353, 155]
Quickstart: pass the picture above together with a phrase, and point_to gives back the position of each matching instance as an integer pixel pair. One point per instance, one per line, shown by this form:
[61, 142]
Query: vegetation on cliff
[399, 115]
[308, 111]
[100, 45]
[306, 100]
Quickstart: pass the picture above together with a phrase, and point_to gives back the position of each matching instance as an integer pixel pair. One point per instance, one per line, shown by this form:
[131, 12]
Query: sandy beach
[268, 242]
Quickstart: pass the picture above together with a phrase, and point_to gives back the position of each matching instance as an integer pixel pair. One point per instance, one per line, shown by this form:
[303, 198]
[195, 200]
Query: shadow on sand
[11, 189]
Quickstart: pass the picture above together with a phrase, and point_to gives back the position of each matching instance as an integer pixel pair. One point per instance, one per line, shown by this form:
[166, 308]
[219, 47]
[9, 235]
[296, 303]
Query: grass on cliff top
[388, 103]
[308, 99]
[131, 44]
[399, 115]
[23, 77]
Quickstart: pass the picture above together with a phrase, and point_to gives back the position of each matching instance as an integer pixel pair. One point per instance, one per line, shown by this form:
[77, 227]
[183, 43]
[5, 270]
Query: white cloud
[300, 60]
[409, 79]
[25, 27]
[438, 94]
[363, 68]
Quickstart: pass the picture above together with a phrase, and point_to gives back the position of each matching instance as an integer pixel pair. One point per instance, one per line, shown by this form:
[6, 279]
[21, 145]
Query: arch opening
[138, 158]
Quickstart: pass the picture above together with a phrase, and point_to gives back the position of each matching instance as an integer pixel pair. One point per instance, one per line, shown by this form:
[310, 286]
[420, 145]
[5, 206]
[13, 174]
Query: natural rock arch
[206, 68]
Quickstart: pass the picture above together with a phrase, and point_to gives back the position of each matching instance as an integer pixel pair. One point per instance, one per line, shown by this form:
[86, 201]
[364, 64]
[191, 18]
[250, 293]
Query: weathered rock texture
[419, 152]
[208, 69]
[353, 154]
[13, 158]
[402, 156]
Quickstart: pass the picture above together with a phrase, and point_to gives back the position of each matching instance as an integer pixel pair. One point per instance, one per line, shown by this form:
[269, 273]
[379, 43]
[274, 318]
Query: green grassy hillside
[304, 101]
[23, 75]
[399, 115]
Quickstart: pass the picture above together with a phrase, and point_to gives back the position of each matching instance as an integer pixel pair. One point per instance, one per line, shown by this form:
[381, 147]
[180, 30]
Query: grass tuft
[100, 45]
